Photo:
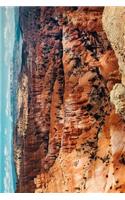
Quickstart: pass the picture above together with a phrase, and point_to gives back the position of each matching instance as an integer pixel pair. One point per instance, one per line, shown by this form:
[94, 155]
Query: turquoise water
[10, 63]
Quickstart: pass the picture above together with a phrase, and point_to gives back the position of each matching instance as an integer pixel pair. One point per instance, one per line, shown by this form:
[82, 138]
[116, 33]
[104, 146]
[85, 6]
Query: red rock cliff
[68, 137]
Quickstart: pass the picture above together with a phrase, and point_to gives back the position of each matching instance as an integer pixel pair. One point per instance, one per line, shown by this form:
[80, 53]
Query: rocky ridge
[68, 137]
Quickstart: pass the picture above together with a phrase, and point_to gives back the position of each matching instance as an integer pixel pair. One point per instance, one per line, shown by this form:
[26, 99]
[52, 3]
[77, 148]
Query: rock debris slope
[68, 136]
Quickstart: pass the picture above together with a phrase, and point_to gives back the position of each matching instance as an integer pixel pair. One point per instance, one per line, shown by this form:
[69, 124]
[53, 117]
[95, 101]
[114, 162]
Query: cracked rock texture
[71, 138]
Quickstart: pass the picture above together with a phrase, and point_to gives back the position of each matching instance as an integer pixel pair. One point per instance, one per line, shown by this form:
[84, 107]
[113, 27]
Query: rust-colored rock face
[70, 138]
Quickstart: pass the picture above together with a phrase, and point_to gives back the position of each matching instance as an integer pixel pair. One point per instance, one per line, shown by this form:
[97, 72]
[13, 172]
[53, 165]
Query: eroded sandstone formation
[70, 139]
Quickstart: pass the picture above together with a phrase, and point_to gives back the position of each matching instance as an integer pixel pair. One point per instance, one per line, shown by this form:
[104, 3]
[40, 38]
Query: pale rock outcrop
[114, 25]
[117, 96]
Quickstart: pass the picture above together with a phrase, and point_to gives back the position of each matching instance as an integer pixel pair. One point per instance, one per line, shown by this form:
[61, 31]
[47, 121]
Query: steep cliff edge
[69, 137]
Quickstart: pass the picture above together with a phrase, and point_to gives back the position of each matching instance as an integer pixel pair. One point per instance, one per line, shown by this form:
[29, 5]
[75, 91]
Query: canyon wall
[69, 137]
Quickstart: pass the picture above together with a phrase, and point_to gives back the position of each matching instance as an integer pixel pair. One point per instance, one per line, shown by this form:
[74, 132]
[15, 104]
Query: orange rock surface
[74, 140]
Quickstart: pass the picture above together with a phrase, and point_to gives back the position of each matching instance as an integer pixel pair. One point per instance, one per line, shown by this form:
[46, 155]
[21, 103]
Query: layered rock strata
[68, 137]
